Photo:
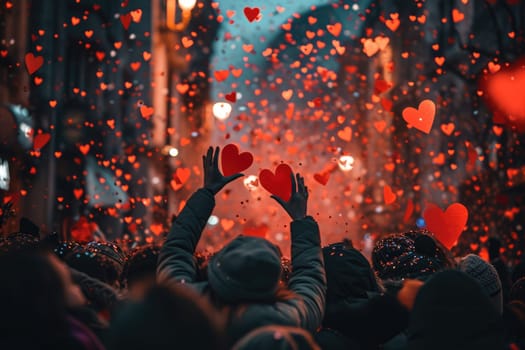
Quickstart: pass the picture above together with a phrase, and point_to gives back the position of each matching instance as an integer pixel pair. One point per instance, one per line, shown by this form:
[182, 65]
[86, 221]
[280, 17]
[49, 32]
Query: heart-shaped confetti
[233, 162]
[388, 195]
[84, 149]
[125, 19]
[33, 63]
[252, 14]
[278, 184]
[232, 97]
[221, 75]
[227, 224]
[322, 177]
[421, 118]
[40, 140]
[156, 229]
[334, 29]
[146, 111]
[179, 178]
[448, 225]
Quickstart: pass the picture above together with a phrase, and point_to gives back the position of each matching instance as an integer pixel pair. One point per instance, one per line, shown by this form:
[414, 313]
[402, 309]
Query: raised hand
[213, 178]
[297, 204]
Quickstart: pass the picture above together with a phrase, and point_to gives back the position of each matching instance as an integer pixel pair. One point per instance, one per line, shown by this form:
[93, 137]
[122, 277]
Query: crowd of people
[414, 294]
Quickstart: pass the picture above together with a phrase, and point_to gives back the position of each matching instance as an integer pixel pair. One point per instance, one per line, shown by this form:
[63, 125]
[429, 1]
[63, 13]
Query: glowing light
[4, 175]
[251, 182]
[26, 130]
[213, 220]
[187, 5]
[346, 163]
[173, 152]
[222, 110]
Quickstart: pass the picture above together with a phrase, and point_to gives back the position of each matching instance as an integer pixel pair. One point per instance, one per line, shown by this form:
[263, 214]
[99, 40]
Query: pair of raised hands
[214, 181]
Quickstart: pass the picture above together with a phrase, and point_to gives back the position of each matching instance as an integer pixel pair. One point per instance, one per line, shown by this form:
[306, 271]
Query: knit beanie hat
[452, 312]
[277, 338]
[486, 275]
[248, 268]
[413, 254]
[103, 261]
[348, 273]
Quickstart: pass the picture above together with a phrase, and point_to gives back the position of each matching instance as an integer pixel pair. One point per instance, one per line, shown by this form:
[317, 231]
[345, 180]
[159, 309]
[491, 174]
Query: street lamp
[171, 13]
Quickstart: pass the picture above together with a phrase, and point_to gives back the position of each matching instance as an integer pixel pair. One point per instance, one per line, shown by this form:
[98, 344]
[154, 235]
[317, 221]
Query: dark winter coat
[356, 306]
[451, 311]
[308, 281]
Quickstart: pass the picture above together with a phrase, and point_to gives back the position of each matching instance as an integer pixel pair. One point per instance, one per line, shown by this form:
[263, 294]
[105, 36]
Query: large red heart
[33, 63]
[448, 225]
[504, 92]
[421, 118]
[279, 184]
[233, 162]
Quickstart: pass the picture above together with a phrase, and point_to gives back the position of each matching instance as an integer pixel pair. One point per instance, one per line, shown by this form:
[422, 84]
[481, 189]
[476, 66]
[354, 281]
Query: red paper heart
[41, 140]
[252, 13]
[388, 195]
[78, 192]
[33, 63]
[125, 20]
[156, 229]
[504, 92]
[279, 184]
[146, 111]
[421, 118]
[180, 177]
[232, 97]
[322, 178]
[233, 162]
[221, 75]
[84, 149]
[448, 225]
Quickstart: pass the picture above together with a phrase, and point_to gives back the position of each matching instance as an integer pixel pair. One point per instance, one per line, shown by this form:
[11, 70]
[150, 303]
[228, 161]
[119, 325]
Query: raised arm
[308, 279]
[176, 261]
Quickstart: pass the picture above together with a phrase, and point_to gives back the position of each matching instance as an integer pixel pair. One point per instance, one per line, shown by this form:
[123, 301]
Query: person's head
[247, 269]
[413, 254]
[277, 338]
[18, 242]
[35, 292]
[169, 317]
[103, 261]
[452, 311]
[140, 270]
[486, 275]
[348, 273]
